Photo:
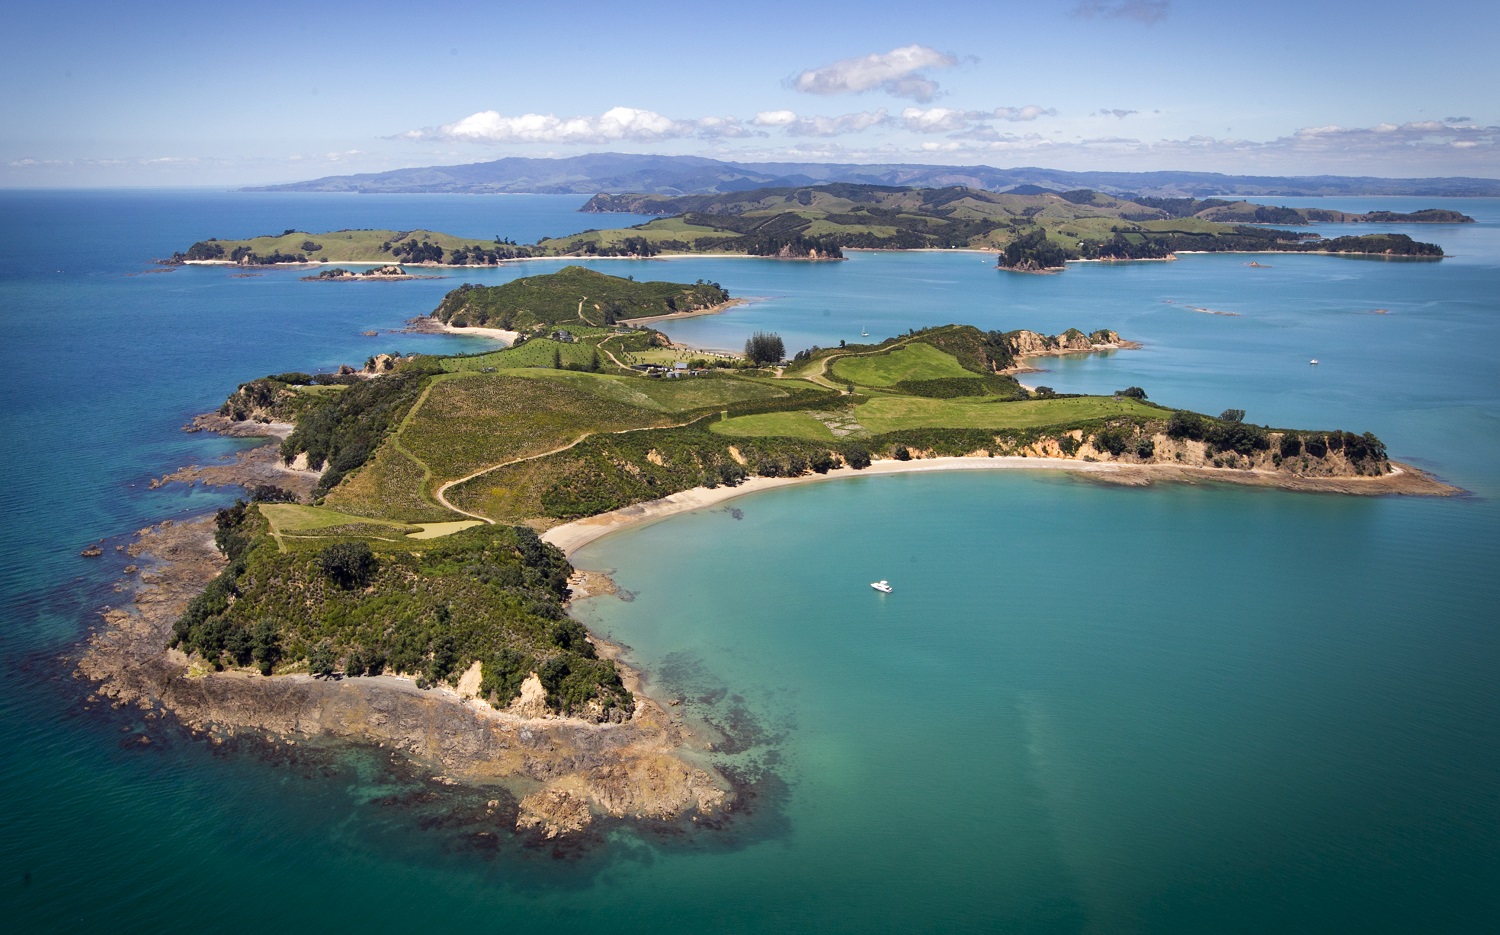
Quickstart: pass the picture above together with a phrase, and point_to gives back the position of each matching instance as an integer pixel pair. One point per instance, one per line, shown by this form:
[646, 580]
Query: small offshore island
[1030, 230]
[399, 576]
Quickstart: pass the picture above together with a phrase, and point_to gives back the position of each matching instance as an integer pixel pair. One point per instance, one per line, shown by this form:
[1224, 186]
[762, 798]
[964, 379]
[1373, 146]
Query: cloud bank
[618, 124]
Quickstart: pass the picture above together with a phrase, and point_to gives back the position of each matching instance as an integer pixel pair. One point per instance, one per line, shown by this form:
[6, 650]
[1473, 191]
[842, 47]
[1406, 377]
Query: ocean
[1085, 708]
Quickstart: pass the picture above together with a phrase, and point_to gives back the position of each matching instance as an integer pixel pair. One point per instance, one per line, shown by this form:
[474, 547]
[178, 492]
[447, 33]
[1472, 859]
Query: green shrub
[347, 564]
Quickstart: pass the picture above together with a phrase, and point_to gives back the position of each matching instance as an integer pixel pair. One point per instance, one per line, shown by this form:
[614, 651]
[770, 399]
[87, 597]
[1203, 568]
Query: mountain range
[696, 175]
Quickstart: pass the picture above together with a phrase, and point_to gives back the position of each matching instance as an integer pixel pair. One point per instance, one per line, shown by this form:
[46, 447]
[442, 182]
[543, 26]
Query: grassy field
[288, 518]
[774, 424]
[657, 232]
[296, 521]
[471, 422]
[908, 362]
[538, 352]
[662, 395]
[893, 413]
[390, 485]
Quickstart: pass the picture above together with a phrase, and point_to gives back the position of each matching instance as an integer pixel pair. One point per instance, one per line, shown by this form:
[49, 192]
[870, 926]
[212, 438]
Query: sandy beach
[711, 310]
[433, 326]
[1404, 480]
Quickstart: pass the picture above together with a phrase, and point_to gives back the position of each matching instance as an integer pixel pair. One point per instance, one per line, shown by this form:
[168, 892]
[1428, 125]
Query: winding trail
[821, 377]
[441, 493]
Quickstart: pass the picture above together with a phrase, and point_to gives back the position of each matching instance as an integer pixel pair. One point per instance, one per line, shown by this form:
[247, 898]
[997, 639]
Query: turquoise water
[1084, 709]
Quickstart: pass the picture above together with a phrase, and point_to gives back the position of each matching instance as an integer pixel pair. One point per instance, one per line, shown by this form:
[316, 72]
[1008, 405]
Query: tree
[763, 348]
[594, 363]
[347, 564]
[265, 645]
[321, 660]
[1232, 415]
[557, 358]
[1131, 392]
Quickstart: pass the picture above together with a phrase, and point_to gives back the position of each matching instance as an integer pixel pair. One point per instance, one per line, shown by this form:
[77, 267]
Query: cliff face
[1072, 341]
[1159, 448]
[586, 771]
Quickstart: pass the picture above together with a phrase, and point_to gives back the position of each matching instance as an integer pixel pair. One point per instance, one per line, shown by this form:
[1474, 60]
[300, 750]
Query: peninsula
[1028, 230]
[408, 585]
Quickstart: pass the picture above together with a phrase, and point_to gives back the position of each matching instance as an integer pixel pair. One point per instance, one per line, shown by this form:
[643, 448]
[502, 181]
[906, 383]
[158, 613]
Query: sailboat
[862, 332]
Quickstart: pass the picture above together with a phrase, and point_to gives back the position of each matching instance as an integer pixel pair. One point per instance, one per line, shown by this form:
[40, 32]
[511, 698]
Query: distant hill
[819, 222]
[693, 175]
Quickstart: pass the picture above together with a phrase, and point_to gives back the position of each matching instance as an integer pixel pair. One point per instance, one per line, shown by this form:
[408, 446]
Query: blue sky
[207, 94]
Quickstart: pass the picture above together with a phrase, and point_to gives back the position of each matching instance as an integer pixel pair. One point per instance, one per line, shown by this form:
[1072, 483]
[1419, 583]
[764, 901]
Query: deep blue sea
[1084, 708]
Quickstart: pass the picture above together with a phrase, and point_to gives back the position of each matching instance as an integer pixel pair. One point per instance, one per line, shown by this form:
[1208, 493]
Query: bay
[1084, 709]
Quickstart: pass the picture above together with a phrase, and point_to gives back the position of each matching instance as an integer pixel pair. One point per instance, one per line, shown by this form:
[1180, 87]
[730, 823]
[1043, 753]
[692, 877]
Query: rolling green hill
[821, 221]
[1050, 227]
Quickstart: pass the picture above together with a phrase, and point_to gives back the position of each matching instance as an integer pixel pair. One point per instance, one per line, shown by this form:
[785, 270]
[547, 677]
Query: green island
[571, 424]
[405, 581]
[1031, 231]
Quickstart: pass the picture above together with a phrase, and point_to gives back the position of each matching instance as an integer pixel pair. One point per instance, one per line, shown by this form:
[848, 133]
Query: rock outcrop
[1032, 344]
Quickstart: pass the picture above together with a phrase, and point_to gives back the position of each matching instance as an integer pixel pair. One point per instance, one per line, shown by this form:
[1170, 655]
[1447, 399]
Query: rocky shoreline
[567, 774]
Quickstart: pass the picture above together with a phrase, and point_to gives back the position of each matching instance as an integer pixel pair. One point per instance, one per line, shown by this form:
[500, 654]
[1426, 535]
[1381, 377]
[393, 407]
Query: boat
[883, 586]
[863, 333]
[1313, 362]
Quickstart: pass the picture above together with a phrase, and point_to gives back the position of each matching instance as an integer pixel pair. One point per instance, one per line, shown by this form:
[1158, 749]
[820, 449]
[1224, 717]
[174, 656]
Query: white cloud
[895, 72]
[939, 119]
[837, 126]
[614, 125]
[774, 118]
[949, 120]
[1029, 112]
[1117, 112]
[1145, 11]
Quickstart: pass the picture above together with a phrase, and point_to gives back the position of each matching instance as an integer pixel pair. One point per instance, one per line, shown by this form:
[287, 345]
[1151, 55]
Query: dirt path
[442, 491]
[821, 377]
[610, 354]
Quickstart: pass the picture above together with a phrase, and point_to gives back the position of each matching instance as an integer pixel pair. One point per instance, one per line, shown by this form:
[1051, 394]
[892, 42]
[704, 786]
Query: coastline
[1405, 480]
[429, 325]
[749, 256]
[711, 310]
[551, 776]
[1023, 367]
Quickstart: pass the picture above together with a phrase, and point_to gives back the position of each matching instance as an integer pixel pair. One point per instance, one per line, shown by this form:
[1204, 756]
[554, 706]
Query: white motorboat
[882, 586]
[1314, 361]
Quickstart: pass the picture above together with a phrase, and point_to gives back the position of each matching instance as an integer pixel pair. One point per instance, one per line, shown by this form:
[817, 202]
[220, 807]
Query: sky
[187, 94]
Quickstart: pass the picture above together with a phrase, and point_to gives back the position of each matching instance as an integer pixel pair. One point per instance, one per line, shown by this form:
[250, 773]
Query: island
[391, 273]
[1029, 231]
[399, 573]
